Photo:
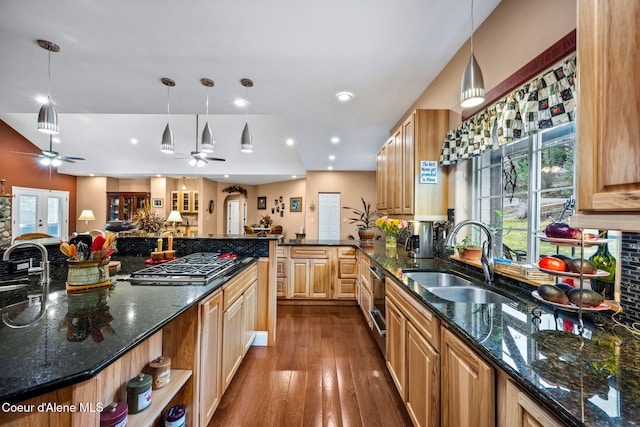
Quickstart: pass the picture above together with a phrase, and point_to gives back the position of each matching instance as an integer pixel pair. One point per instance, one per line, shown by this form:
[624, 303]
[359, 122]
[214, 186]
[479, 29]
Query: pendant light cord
[246, 105]
[49, 75]
[472, 26]
[207, 101]
[168, 100]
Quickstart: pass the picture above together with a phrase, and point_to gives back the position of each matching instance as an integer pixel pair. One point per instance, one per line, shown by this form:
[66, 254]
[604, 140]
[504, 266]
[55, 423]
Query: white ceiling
[107, 89]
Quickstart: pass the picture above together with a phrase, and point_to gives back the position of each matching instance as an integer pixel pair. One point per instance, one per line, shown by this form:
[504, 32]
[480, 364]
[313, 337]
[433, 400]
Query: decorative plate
[573, 242]
[599, 273]
[571, 307]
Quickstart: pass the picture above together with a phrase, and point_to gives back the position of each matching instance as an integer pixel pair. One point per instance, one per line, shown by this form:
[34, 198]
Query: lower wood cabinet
[396, 351]
[282, 270]
[422, 389]
[250, 315]
[233, 341]
[517, 409]
[467, 386]
[210, 356]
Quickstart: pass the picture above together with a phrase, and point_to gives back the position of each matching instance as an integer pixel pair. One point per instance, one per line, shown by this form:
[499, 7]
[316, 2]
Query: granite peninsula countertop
[590, 379]
[83, 332]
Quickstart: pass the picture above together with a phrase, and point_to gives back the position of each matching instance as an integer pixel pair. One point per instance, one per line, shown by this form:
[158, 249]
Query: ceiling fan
[199, 158]
[50, 157]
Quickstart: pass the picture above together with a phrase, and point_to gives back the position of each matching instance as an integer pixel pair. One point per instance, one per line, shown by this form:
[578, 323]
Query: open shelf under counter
[160, 398]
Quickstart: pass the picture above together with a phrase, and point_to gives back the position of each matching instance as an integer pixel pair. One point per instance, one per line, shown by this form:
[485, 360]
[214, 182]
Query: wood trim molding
[546, 59]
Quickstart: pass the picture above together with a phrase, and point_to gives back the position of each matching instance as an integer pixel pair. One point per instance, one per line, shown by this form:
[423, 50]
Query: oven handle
[372, 314]
[377, 272]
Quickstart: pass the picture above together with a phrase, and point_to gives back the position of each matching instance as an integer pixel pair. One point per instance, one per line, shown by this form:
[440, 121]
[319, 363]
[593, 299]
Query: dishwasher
[378, 313]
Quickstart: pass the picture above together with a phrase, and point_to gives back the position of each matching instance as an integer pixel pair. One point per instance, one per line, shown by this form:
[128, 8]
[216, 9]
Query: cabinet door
[210, 357]
[233, 342]
[281, 278]
[520, 410]
[319, 278]
[185, 201]
[608, 117]
[381, 179]
[195, 202]
[175, 199]
[407, 165]
[345, 289]
[250, 315]
[396, 333]
[467, 386]
[423, 380]
[299, 278]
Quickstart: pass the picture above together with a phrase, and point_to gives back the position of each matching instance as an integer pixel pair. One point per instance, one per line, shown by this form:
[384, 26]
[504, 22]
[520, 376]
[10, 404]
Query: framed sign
[262, 203]
[295, 204]
[157, 203]
[428, 172]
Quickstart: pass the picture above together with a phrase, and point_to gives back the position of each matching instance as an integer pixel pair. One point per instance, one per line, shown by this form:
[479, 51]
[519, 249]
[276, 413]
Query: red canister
[176, 417]
[114, 415]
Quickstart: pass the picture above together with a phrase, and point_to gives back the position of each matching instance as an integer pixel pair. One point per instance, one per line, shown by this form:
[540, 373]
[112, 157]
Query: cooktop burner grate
[198, 268]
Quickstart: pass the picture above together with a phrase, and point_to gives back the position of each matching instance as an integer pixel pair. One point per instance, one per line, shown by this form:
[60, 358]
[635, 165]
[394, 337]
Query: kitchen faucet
[43, 271]
[488, 266]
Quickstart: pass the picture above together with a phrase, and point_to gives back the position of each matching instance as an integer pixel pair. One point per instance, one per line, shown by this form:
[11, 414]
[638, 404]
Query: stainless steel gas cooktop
[198, 268]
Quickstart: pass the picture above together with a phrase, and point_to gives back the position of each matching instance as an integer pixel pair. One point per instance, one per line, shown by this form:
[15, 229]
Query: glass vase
[391, 242]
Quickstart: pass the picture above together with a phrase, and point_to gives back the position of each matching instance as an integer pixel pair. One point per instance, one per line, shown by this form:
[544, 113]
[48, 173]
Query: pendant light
[246, 141]
[206, 143]
[48, 116]
[167, 136]
[472, 85]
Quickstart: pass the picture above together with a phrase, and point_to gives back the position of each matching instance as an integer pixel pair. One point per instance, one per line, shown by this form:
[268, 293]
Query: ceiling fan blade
[70, 158]
[66, 159]
[216, 159]
[28, 154]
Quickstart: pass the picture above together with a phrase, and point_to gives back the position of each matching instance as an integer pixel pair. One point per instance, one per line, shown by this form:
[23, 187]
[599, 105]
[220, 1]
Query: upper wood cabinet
[608, 118]
[123, 206]
[398, 167]
[185, 201]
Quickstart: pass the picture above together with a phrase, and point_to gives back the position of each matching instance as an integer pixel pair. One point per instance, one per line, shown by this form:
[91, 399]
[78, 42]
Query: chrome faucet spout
[43, 271]
[488, 265]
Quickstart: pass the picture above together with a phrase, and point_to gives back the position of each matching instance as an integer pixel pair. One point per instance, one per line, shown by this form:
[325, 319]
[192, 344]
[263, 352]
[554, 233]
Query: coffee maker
[420, 243]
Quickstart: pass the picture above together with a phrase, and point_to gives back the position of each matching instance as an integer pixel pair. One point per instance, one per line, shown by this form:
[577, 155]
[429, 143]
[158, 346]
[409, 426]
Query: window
[523, 186]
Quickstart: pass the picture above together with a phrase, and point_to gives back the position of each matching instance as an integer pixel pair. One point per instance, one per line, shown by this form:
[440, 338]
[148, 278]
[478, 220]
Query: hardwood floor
[325, 370]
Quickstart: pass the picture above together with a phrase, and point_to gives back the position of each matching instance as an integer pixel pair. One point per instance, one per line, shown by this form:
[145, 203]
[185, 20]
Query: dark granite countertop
[591, 379]
[83, 332]
[308, 242]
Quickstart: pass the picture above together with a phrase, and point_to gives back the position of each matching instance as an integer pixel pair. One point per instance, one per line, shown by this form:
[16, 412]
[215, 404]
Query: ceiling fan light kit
[472, 84]
[246, 140]
[167, 145]
[48, 116]
[207, 142]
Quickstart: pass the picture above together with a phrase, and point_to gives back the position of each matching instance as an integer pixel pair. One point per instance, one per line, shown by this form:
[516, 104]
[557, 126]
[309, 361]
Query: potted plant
[364, 219]
[469, 249]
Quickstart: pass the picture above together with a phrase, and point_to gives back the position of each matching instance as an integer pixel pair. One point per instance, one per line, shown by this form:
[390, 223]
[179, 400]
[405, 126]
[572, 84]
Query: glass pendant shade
[246, 141]
[472, 84]
[48, 118]
[206, 144]
[167, 140]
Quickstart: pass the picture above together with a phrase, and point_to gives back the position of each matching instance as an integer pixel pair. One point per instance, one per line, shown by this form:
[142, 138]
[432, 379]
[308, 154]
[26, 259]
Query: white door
[35, 210]
[329, 216]
[233, 217]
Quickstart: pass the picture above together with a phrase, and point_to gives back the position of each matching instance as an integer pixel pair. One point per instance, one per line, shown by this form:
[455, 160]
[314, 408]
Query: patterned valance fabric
[544, 102]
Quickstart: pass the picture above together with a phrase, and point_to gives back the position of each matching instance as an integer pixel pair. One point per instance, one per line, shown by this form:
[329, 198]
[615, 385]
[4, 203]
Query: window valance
[546, 101]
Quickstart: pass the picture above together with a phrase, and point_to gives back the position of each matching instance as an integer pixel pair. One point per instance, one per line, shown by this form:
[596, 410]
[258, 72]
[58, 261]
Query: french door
[35, 210]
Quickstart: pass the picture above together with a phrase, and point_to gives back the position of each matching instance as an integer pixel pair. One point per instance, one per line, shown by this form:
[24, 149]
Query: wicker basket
[83, 273]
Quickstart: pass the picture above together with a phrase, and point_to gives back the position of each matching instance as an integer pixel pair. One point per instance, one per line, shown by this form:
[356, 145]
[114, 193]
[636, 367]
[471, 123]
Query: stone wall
[5, 220]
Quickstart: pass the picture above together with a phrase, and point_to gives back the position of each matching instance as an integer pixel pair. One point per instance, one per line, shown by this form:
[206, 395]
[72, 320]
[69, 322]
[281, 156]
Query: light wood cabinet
[282, 268]
[365, 298]
[309, 278]
[346, 274]
[398, 177]
[467, 386]
[210, 381]
[608, 117]
[185, 201]
[250, 315]
[517, 409]
[232, 341]
[422, 389]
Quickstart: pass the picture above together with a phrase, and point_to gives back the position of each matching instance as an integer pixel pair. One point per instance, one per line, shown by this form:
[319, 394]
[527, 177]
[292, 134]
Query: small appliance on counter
[420, 243]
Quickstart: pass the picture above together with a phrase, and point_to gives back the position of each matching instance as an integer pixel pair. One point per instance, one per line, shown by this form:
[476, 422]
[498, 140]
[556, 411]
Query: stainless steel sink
[428, 279]
[469, 294]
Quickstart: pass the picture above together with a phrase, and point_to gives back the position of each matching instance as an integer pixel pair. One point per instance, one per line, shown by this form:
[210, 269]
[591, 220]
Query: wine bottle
[603, 260]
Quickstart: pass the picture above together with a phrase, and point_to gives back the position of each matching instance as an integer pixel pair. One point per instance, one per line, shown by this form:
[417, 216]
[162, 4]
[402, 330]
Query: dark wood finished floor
[325, 370]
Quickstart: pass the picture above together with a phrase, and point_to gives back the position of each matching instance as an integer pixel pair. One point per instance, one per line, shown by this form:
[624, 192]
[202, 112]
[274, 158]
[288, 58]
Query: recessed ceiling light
[289, 142]
[293, 176]
[335, 139]
[332, 157]
[133, 141]
[41, 99]
[158, 175]
[226, 176]
[330, 168]
[92, 174]
[344, 96]
[56, 139]
[239, 102]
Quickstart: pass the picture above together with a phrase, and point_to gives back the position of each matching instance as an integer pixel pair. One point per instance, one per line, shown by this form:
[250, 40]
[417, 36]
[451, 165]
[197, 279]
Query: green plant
[365, 217]
[468, 243]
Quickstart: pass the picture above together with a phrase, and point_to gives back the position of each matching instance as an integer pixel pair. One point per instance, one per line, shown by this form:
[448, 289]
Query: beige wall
[92, 194]
[290, 221]
[352, 185]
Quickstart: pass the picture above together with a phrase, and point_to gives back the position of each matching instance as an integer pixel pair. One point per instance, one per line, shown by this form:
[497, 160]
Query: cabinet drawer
[421, 317]
[347, 269]
[236, 286]
[281, 252]
[346, 252]
[281, 268]
[309, 252]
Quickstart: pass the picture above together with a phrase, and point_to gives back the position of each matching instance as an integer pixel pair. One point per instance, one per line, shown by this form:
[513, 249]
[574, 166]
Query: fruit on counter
[582, 266]
[564, 287]
[589, 298]
[566, 259]
[551, 263]
[560, 230]
[552, 294]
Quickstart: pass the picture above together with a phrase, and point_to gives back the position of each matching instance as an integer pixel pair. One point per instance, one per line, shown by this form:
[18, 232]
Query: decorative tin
[139, 393]
[114, 415]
